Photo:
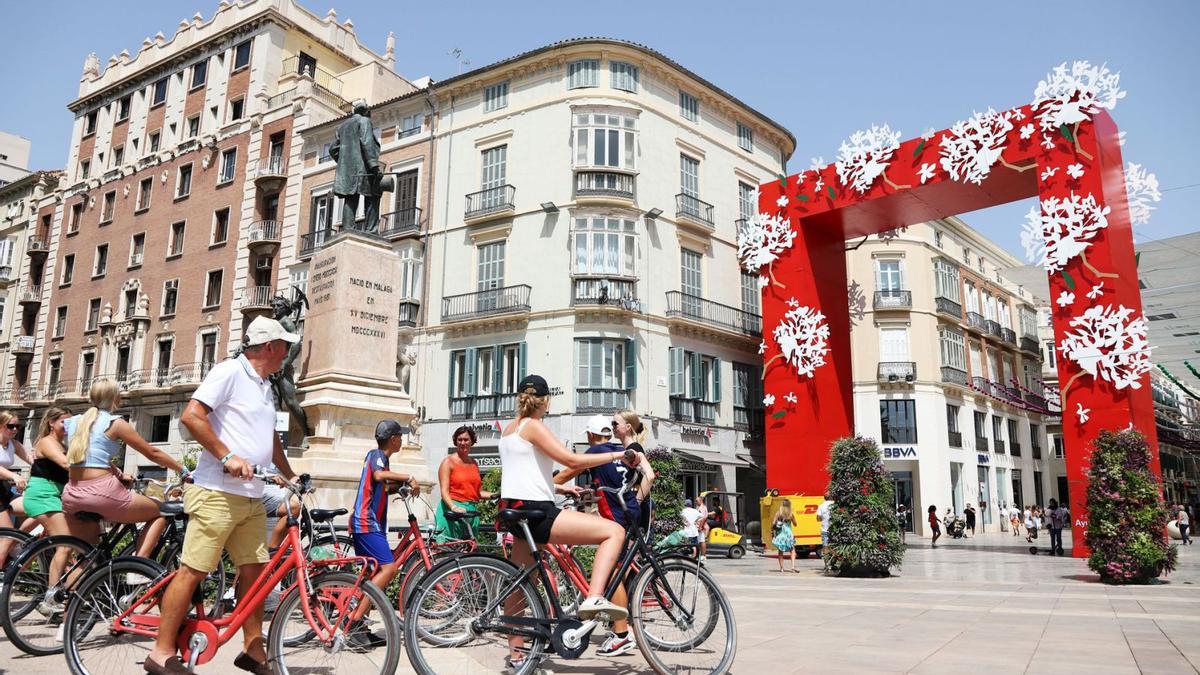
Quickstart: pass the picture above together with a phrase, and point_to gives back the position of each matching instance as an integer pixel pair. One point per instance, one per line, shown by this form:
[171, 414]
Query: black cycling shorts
[540, 530]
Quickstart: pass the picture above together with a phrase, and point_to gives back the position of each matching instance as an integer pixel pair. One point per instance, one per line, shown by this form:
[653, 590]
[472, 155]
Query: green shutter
[695, 388]
[472, 357]
[497, 370]
[453, 372]
[631, 363]
[715, 394]
[675, 361]
[521, 363]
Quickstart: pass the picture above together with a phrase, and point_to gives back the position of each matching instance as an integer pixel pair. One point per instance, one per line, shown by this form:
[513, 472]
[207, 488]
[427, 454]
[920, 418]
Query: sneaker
[360, 637]
[49, 607]
[514, 665]
[615, 645]
[593, 606]
[58, 635]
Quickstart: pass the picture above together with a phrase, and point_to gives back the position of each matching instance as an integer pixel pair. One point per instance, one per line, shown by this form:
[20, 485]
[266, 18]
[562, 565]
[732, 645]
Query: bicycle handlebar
[301, 488]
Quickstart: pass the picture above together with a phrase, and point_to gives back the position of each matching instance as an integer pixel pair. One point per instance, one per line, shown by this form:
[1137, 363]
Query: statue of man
[284, 380]
[358, 171]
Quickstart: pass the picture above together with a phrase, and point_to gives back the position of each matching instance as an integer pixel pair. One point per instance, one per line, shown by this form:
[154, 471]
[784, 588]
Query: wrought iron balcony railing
[948, 307]
[1029, 344]
[752, 421]
[998, 445]
[993, 328]
[1009, 336]
[688, 206]
[976, 322]
[591, 400]
[693, 410]
[492, 200]
[955, 438]
[954, 375]
[604, 184]
[897, 371]
[482, 406]
[615, 292]
[400, 222]
[696, 308]
[892, 299]
[506, 300]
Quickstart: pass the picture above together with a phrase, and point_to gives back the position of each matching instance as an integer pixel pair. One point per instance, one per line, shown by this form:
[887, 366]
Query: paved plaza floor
[981, 605]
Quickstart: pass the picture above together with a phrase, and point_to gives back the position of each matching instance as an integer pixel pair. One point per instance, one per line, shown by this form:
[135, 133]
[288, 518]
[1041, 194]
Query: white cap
[264, 329]
[599, 425]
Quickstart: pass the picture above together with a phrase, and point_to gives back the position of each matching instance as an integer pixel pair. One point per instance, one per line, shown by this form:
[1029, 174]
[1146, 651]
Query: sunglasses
[13, 427]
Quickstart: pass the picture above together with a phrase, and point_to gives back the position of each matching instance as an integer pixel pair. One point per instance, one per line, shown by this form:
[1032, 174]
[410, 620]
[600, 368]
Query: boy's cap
[535, 382]
[387, 429]
[599, 425]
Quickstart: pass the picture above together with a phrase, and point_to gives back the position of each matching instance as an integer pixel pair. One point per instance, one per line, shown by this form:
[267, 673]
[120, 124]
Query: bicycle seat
[326, 515]
[171, 509]
[515, 516]
[455, 515]
[89, 516]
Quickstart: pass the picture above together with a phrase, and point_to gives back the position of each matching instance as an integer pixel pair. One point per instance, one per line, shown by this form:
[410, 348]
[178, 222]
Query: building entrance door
[1018, 490]
[985, 495]
[903, 484]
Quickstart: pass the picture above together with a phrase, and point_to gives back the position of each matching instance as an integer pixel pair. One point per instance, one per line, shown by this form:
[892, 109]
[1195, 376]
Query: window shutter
[472, 355]
[676, 371]
[878, 276]
[521, 363]
[695, 389]
[497, 370]
[450, 384]
[631, 363]
[715, 395]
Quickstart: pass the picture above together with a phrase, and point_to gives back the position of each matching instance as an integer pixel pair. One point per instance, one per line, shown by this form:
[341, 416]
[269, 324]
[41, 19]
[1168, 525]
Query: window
[170, 297]
[979, 264]
[952, 418]
[145, 188]
[604, 371]
[89, 123]
[237, 108]
[605, 246]
[747, 201]
[747, 396]
[118, 156]
[137, 249]
[945, 280]
[981, 430]
[693, 375]
[220, 230]
[241, 55]
[410, 124]
[100, 267]
[321, 218]
[183, 181]
[228, 166]
[751, 293]
[85, 169]
[495, 97]
[199, 74]
[155, 139]
[889, 275]
[494, 162]
[129, 303]
[410, 273]
[691, 278]
[972, 298]
[689, 106]
[87, 370]
[68, 271]
[893, 345]
[160, 93]
[997, 427]
[605, 140]
[1060, 451]
[193, 126]
[1050, 361]
[109, 207]
[55, 370]
[1035, 440]
[483, 371]
[623, 76]
[93, 317]
[60, 321]
[689, 181]
[967, 256]
[583, 73]
[123, 109]
[952, 348]
[208, 348]
[212, 289]
[160, 429]
[175, 243]
[898, 421]
[1014, 438]
[490, 266]
[745, 137]
[76, 216]
[937, 238]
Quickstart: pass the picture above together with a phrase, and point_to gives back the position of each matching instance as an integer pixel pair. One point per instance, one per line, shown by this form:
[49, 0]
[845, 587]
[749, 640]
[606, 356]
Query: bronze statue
[356, 151]
[283, 382]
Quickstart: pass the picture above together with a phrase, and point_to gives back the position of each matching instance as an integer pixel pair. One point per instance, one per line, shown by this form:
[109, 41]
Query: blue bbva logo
[899, 453]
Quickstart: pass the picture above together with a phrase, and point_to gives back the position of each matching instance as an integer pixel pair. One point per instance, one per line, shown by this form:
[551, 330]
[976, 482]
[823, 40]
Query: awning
[753, 461]
[710, 457]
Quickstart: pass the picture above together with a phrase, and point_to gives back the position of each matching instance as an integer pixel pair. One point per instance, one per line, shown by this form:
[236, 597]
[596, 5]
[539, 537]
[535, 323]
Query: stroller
[955, 527]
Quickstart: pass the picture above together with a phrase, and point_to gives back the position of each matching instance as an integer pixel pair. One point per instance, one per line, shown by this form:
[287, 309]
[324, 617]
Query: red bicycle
[416, 556]
[323, 623]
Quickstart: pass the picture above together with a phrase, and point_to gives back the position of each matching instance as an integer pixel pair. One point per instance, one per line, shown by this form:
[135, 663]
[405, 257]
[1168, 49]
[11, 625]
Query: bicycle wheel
[92, 647]
[414, 570]
[27, 587]
[681, 619]
[448, 627]
[569, 595]
[17, 543]
[371, 645]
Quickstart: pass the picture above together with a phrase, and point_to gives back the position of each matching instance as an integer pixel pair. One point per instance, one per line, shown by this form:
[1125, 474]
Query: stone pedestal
[348, 364]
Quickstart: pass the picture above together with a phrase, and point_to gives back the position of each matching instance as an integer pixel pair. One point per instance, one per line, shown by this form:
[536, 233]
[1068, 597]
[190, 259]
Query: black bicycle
[482, 613]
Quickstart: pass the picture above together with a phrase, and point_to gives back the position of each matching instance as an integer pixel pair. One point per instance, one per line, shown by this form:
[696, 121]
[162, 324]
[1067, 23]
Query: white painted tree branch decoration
[1108, 345]
[1061, 230]
[865, 157]
[973, 145]
[762, 240]
[1141, 187]
[802, 336]
[1070, 96]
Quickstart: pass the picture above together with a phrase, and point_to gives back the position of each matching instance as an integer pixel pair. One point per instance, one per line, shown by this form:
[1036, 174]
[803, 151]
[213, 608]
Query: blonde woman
[96, 486]
[782, 536]
[10, 478]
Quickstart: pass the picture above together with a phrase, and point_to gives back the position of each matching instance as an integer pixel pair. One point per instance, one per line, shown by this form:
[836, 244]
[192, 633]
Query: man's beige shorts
[219, 520]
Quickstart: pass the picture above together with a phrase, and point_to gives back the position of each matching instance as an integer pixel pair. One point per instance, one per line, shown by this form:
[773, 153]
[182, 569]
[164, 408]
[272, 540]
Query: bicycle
[415, 556]
[112, 618]
[676, 608]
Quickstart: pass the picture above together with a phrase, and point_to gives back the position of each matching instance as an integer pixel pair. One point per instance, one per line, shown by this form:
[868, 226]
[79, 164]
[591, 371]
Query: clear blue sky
[822, 69]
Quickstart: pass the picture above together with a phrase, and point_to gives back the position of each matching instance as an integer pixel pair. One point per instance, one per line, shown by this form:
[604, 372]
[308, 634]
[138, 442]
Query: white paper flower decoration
[782, 202]
[1075, 171]
[1141, 187]
[816, 163]
[1068, 96]
[865, 156]
[973, 145]
[762, 347]
[1027, 131]
[1049, 173]
[1096, 291]
[802, 336]
[1062, 229]
[791, 397]
[1108, 345]
[769, 400]
[762, 240]
[926, 172]
[1065, 299]
[1082, 413]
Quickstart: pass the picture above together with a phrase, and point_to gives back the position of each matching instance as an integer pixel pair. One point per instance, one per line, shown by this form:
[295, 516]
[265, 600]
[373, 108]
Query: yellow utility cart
[726, 539]
[807, 529]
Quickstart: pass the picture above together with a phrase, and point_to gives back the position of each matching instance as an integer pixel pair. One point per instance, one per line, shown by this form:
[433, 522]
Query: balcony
[601, 400]
[492, 302]
[689, 208]
[955, 438]
[30, 296]
[1008, 335]
[256, 299]
[1016, 449]
[993, 329]
[23, 345]
[695, 309]
[948, 307]
[982, 384]
[400, 223]
[1030, 345]
[6, 275]
[313, 241]
[604, 187]
[319, 75]
[409, 310]
[614, 292]
[751, 421]
[149, 378]
[1037, 451]
[269, 174]
[893, 299]
[998, 445]
[62, 389]
[188, 374]
[1011, 393]
[693, 410]
[952, 375]
[263, 237]
[38, 247]
[483, 406]
[897, 371]
[491, 203]
[976, 322]
[1038, 401]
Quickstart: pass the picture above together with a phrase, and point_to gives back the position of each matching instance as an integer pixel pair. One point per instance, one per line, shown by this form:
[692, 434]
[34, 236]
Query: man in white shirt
[232, 416]
[691, 523]
[824, 511]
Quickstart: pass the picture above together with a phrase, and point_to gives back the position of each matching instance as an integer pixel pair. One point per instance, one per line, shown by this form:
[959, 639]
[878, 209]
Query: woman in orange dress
[461, 487]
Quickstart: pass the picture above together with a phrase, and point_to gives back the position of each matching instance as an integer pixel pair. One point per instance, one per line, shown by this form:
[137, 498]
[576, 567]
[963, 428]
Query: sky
[821, 69]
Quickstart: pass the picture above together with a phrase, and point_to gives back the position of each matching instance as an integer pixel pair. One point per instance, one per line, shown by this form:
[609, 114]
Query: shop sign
[696, 467]
[685, 430]
[487, 461]
[900, 453]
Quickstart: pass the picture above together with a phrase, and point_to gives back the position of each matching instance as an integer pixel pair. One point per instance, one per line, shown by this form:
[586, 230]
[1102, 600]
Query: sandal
[172, 666]
[247, 663]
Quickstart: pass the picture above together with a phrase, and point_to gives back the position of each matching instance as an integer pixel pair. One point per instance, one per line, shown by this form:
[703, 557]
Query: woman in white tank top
[528, 453]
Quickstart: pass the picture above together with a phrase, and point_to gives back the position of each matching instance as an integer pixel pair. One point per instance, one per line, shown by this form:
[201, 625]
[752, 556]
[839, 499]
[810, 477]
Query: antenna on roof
[458, 56]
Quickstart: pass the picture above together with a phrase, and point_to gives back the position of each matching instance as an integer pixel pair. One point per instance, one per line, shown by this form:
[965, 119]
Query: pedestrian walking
[969, 512]
[691, 525]
[702, 508]
[1057, 518]
[902, 521]
[1184, 522]
[934, 527]
[1031, 524]
[782, 535]
[1014, 519]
